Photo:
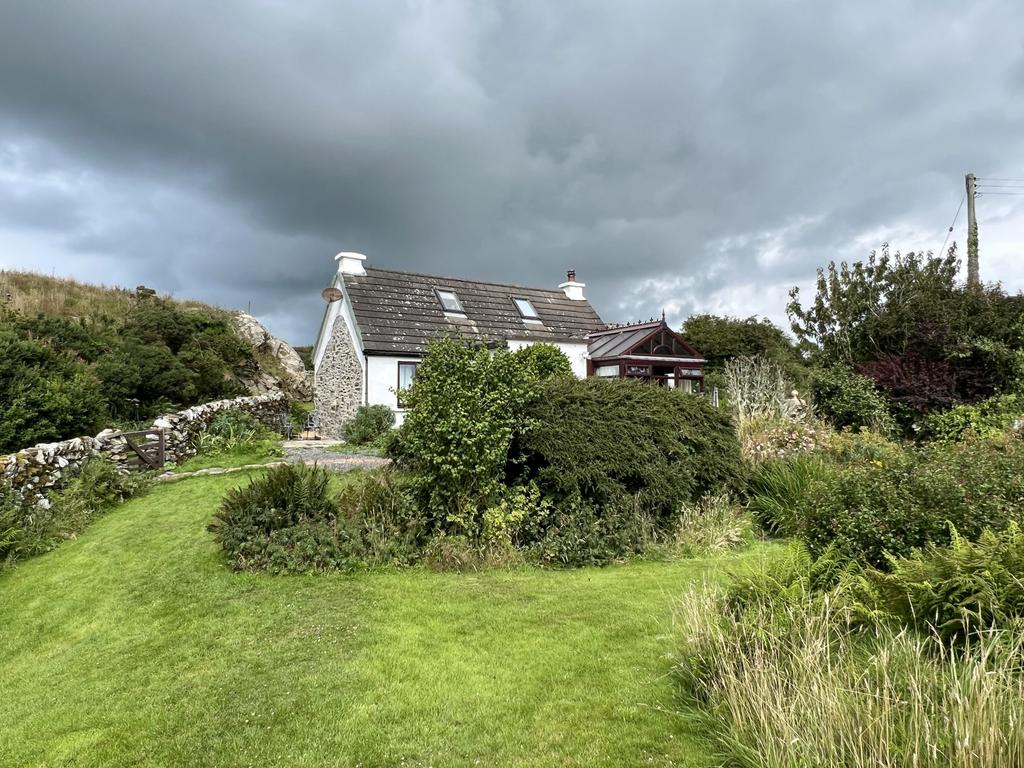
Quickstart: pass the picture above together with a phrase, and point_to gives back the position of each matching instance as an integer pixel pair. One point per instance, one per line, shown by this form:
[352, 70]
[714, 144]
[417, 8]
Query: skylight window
[526, 309]
[449, 301]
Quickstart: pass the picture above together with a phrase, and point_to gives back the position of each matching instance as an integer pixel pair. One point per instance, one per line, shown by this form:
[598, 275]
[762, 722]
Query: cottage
[378, 322]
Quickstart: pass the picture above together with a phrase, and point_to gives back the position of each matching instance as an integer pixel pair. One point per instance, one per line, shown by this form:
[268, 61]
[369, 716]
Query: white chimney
[573, 289]
[350, 263]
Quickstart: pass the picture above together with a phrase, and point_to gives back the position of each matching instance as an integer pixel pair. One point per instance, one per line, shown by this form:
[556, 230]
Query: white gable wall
[575, 351]
[382, 381]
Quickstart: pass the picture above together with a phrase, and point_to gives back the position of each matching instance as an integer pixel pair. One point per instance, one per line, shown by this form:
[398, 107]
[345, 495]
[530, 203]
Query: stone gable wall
[42, 467]
[338, 389]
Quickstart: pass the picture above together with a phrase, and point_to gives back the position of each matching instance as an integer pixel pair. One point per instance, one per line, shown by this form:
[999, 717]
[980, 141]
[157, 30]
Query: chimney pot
[571, 275]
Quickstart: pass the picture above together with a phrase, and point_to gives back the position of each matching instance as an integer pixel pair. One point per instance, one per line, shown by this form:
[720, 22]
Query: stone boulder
[291, 374]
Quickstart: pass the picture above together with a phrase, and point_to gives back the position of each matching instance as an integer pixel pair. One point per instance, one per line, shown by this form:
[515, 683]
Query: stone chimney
[350, 263]
[573, 289]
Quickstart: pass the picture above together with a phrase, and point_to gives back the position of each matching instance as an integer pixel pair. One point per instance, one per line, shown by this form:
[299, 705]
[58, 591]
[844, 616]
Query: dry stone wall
[42, 467]
[338, 390]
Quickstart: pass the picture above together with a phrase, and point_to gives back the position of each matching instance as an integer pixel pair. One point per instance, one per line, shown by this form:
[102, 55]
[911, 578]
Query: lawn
[261, 452]
[135, 646]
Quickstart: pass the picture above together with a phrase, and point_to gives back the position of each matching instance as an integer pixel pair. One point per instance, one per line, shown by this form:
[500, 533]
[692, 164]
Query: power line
[956, 215]
[1011, 194]
[994, 178]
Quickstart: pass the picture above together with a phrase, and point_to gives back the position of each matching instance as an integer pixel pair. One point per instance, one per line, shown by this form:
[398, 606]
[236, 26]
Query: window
[406, 373]
[526, 309]
[449, 301]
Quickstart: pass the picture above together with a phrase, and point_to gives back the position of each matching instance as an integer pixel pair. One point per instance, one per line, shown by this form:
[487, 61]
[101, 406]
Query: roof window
[449, 301]
[526, 309]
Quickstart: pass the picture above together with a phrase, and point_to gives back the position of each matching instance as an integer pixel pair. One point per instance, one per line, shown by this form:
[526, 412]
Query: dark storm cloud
[688, 156]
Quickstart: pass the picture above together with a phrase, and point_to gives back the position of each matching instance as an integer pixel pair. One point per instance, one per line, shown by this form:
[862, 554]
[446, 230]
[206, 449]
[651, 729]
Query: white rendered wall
[576, 352]
[382, 380]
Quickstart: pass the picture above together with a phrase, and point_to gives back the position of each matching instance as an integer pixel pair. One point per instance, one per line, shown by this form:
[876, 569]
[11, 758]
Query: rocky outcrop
[280, 366]
[339, 381]
[38, 469]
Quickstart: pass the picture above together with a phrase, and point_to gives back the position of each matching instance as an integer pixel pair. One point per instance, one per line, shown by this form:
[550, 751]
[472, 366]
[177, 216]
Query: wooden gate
[146, 449]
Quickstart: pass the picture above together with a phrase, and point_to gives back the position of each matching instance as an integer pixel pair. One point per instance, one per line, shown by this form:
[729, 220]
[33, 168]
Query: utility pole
[972, 235]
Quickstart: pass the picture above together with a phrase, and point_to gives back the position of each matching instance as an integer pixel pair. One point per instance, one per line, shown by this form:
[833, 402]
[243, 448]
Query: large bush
[609, 440]
[849, 400]
[873, 508]
[989, 418]
[45, 395]
[466, 404]
[926, 341]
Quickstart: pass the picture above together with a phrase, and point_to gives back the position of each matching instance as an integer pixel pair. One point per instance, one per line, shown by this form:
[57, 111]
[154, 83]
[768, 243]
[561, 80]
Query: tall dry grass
[714, 523]
[32, 293]
[792, 687]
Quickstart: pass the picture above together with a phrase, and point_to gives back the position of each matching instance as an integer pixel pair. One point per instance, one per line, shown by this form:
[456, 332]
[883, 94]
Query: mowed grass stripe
[134, 645]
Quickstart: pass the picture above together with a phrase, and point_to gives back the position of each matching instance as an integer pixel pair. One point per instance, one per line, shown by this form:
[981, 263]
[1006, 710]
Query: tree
[905, 322]
[720, 339]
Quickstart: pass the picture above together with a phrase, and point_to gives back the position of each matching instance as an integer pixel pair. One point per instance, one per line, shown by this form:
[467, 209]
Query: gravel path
[309, 452]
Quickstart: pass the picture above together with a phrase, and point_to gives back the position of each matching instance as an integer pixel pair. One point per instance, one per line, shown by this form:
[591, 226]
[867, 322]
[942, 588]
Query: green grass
[135, 646]
[240, 456]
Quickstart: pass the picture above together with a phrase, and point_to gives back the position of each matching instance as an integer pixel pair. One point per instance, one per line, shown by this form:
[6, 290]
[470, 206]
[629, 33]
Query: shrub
[988, 418]
[779, 437]
[369, 425]
[62, 378]
[466, 405]
[45, 395]
[544, 361]
[381, 507]
[580, 533]
[776, 489]
[847, 399]
[849, 447]
[611, 441]
[870, 509]
[286, 521]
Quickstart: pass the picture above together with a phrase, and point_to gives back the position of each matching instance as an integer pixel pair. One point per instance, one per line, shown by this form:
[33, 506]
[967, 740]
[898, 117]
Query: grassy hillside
[32, 293]
[75, 358]
[135, 645]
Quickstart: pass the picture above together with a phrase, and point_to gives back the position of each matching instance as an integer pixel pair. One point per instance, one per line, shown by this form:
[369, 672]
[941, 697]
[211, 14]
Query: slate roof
[398, 312]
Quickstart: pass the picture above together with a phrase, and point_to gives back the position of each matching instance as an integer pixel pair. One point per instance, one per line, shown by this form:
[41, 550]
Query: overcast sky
[680, 155]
